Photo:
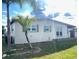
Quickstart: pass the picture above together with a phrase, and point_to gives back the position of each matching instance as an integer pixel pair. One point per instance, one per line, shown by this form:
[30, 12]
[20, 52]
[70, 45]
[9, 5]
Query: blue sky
[14, 10]
[52, 6]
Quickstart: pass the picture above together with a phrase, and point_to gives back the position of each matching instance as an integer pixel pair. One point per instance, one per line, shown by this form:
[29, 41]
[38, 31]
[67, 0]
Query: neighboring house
[42, 30]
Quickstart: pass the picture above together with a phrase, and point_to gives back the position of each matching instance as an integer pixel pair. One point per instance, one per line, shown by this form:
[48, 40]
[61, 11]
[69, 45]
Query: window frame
[59, 30]
[57, 33]
[47, 28]
[34, 27]
[60, 33]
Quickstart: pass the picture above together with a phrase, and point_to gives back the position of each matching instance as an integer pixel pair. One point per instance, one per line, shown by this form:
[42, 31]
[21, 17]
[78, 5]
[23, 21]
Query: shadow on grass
[47, 47]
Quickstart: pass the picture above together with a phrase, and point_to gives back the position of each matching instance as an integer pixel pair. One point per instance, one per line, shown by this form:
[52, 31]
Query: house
[42, 30]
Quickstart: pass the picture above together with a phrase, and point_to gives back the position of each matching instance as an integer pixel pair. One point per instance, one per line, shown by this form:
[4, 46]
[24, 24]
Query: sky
[62, 6]
[51, 7]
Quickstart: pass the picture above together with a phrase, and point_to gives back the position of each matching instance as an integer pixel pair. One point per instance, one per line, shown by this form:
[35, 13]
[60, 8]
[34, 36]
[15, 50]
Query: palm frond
[32, 3]
[24, 21]
[20, 2]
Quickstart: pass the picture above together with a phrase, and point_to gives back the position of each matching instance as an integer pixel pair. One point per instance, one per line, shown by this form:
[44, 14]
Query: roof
[69, 25]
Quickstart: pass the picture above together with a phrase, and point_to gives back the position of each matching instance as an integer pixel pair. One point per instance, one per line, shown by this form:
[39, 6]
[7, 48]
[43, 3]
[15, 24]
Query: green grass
[70, 53]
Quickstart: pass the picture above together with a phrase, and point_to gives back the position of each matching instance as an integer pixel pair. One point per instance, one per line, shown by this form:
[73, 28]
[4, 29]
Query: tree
[8, 22]
[7, 2]
[25, 22]
[3, 29]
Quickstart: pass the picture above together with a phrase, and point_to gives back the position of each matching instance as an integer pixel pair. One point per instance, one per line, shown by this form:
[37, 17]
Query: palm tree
[8, 22]
[7, 2]
[25, 22]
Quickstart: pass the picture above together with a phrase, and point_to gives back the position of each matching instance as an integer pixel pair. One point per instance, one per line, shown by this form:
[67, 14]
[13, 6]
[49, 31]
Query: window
[57, 33]
[34, 28]
[60, 33]
[47, 28]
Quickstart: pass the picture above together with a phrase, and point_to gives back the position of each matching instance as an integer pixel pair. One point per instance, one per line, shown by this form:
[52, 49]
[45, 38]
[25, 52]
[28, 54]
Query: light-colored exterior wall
[64, 30]
[40, 36]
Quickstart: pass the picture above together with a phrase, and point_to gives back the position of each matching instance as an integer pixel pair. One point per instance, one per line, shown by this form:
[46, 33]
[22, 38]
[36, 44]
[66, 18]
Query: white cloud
[4, 11]
[24, 13]
[4, 17]
[65, 20]
[60, 6]
[4, 22]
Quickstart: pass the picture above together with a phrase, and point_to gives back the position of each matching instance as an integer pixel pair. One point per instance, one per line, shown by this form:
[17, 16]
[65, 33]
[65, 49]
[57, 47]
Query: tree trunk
[8, 25]
[28, 40]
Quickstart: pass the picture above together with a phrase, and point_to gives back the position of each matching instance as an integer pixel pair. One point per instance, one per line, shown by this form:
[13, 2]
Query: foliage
[32, 3]
[24, 21]
[3, 29]
[7, 2]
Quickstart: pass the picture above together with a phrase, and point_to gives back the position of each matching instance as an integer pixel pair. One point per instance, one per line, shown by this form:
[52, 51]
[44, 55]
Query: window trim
[59, 30]
[60, 33]
[36, 27]
[57, 33]
[48, 29]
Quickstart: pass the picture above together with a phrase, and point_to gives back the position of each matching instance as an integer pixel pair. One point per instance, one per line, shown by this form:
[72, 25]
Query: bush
[62, 44]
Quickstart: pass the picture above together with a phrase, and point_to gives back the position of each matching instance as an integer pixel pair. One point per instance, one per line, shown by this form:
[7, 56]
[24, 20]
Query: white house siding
[69, 32]
[36, 36]
[41, 35]
[62, 26]
[19, 34]
[76, 34]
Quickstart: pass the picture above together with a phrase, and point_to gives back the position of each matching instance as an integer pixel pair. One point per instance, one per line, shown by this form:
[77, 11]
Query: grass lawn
[70, 53]
[58, 49]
